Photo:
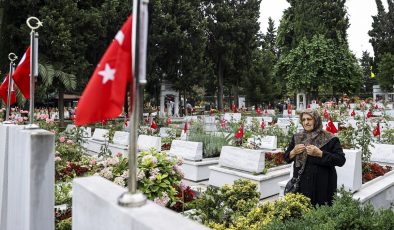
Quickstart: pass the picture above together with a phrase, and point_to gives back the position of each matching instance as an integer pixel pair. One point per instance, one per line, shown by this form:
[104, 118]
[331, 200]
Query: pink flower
[25, 118]
[57, 159]
[93, 162]
[119, 154]
[20, 119]
[70, 142]
[62, 139]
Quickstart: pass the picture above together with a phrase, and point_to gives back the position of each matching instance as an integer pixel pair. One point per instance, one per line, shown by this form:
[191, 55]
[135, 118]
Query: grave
[264, 142]
[232, 117]
[195, 167]
[383, 154]
[239, 163]
[99, 138]
[120, 143]
[146, 142]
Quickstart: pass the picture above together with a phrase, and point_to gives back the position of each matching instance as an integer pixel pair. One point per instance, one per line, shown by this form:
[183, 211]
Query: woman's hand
[297, 150]
[312, 150]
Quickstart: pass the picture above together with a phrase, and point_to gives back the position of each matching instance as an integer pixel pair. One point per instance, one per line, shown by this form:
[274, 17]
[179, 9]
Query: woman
[321, 152]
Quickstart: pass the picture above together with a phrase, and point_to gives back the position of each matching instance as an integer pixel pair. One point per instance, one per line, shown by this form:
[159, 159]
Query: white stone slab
[352, 123]
[145, 142]
[100, 134]
[95, 206]
[209, 120]
[86, 132]
[190, 118]
[232, 117]
[121, 138]
[31, 179]
[379, 192]
[350, 174]
[188, 150]
[383, 153]
[70, 127]
[267, 119]
[198, 170]
[353, 105]
[242, 159]
[210, 128]
[265, 142]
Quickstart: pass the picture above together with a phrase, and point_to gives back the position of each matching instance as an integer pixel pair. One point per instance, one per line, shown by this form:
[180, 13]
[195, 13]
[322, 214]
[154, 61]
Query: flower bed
[373, 170]
[274, 159]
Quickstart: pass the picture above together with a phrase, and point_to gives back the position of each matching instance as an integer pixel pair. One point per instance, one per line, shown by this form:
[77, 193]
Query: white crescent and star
[107, 74]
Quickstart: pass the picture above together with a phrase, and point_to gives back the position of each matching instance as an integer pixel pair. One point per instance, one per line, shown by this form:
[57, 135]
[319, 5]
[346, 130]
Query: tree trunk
[236, 94]
[220, 84]
[61, 107]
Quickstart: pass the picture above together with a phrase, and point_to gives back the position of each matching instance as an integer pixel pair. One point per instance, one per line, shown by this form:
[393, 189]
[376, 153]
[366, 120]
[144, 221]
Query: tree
[366, 62]
[386, 75]
[176, 45]
[319, 64]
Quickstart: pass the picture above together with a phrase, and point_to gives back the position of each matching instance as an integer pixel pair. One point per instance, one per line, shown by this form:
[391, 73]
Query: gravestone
[86, 132]
[188, 150]
[100, 134]
[209, 120]
[350, 174]
[146, 142]
[31, 179]
[267, 119]
[164, 132]
[121, 138]
[190, 118]
[70, 127]
[242, 159]
[232, 117]
[383, 153]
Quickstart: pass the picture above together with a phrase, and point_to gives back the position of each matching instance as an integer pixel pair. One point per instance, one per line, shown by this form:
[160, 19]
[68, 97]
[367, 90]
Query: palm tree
[59, 81]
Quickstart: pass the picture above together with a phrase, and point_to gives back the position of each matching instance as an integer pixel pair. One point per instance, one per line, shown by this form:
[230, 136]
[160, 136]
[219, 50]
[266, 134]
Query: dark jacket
[319, 180]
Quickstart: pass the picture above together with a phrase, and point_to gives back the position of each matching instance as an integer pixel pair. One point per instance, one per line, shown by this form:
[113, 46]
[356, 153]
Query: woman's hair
[316, 117]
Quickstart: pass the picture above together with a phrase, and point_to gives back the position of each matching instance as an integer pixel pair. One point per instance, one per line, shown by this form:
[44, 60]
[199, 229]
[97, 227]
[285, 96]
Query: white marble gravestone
[242, 159]
[70, 127]
[350, 174]
[209, 120]
[267, 119]
[121, 138]
[188, 150]
[232, 117]
[265, 142]
[31, 179]
[95, 207]
[163, 132]
[100, 134]
[382, 153]
[190, 118]
[146, 142]
[86, 132]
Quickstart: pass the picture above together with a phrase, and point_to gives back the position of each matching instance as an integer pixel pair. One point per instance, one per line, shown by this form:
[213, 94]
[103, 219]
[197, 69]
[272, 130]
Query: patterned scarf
[317, 137]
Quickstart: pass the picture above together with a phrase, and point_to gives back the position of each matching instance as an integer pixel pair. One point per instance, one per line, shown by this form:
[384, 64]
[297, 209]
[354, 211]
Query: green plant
[347, 136]
[63, 193]
[363, 139]
[212, 145]
[388, 137]
[222, 206]
[64, 224]
[104, 148]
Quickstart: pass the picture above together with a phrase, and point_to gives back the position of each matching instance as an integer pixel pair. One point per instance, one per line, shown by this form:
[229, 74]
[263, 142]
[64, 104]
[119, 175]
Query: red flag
[258, 111]
[369, 114]
[308, 106]
[233, 107]
[325, 114]
[21, 75]
[104, 95]
[376, 106]
[353, 113]
[376, 130]
[289, 109]
[4, 92]
[153, 124]
[262, 124]
[168, 120]
[240, 132]
[222, 123]
[185, 127]
[331, 127]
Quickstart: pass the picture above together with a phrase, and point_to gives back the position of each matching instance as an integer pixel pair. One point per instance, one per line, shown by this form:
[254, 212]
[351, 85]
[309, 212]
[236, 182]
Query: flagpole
[33, 66]
[12, 57]
[134, 198]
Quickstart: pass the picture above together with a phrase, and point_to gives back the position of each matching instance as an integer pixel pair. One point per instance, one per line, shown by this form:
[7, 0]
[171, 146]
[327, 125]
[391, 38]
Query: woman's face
[308, 122]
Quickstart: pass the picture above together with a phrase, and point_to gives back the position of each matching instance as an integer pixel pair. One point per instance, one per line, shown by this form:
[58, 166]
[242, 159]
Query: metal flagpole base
[130, 200]
[32, 126]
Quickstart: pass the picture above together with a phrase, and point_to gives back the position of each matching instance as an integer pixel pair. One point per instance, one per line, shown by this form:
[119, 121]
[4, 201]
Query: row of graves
[260, 159]
[222, 152]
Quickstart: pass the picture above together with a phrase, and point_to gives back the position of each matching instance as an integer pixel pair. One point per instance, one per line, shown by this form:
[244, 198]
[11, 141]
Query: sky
[360, 14]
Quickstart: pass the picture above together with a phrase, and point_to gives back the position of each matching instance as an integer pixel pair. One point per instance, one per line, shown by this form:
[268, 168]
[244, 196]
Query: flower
[93, 162]
[178, 170]
[57, 159]
[149, 159]
[62, 139]
[70, 142]
[163, 201]
[120, 181]
[113, 161]
[125, 174]
[107, 173]
[119, 154]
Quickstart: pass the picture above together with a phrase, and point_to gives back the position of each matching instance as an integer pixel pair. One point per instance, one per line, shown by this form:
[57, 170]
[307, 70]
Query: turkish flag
[262, 124]
[21, 75]
[222, 123]
[258, 111]
[376, 131]
[185, 127]
[353, 113]
[4, 92]
[168, 120]
[240, 132]
[331, 127]
[289, 109]
[369, 114]
[308, 106]
[233, 107]
[103, 97]
[326, 114]
[153, 124]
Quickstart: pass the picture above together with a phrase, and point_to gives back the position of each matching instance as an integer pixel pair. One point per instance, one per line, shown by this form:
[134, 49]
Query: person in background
[320, 151]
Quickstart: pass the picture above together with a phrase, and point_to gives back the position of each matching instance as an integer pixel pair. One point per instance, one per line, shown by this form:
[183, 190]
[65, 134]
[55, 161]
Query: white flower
[125, 174]
[113, 161]
[120, 181]
[163, 201]
[107, 173]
